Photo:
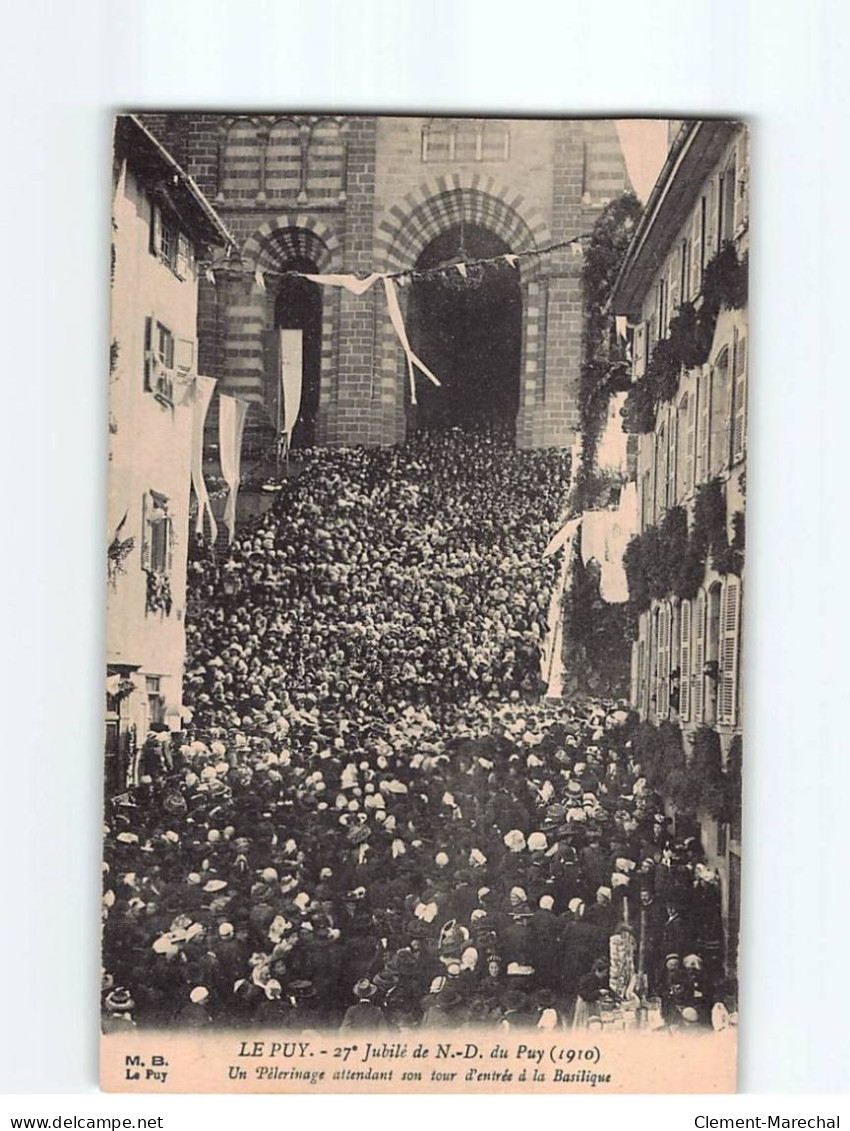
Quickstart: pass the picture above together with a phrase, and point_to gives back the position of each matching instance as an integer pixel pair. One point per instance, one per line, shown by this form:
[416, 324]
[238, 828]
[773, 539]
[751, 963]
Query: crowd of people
[374, 820]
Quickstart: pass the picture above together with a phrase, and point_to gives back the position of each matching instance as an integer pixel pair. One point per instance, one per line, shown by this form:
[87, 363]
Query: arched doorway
[470, 336]
[298, 307]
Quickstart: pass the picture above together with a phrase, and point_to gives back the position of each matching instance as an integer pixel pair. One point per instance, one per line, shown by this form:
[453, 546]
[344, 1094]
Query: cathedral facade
[326, 194]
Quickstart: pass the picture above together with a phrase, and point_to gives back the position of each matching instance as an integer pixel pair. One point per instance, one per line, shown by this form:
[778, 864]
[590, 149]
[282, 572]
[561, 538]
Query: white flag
[231, 425]
[203, 393]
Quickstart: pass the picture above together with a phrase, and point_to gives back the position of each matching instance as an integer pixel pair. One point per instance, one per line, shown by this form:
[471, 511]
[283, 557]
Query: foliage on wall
[604, 369]
[670, 559]
[158, 597]
[694, 781]
[689, 338]
[598, 635]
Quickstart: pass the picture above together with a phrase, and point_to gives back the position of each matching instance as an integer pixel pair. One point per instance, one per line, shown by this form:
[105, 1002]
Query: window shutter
[711, 220]
[640, 350]
[685, 660]
[690, 457]
[672, 464]
[730, 609]
[704, 449]
[634, 673]
[661, 670]
[156, 229]
[151, 362]
[146, 531]
[741, 209]
[184, 256]
[698, 683]
[739, 398]
[185, 350]
[696, 251]
[169, 543]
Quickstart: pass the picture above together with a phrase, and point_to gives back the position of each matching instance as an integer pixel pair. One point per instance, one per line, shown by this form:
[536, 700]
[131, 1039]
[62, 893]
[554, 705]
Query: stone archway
[297, 241]
[432, 210]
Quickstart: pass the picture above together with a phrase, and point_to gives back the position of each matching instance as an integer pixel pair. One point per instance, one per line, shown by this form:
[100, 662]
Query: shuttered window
[696, 251]
[673, 461]
[639, 347]
[685, 660]
[739, 397]
[742, 203]
[730, 616]
[698, 680]
[157, 534]
[662, 693]
[704, 443]
[711, 222]
[721, 399]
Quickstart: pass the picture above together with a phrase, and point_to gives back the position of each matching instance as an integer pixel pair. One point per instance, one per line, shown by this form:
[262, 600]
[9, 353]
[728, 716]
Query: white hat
[225, 930]
[199, 995]
[537, 842]
[546, 903]
[515, 840]
[441, 859]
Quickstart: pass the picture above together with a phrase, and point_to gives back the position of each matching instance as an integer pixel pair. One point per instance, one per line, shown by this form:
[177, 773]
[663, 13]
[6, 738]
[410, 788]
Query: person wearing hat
[366, 1015]
[118, 1011]
[593, 989]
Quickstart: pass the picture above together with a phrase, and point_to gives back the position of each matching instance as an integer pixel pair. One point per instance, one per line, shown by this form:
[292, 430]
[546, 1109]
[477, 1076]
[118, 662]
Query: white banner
[231, 425]
[564, 534]
[291, 377]
[604, 537]
[203, 393]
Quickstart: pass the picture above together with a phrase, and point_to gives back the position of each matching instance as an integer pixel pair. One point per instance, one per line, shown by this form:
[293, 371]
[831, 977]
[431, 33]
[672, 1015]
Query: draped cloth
[358, 287]
[231, 425]
[204, 387]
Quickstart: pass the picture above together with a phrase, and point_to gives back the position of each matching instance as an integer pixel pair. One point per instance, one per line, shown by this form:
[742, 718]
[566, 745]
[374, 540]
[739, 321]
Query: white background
[66, 67]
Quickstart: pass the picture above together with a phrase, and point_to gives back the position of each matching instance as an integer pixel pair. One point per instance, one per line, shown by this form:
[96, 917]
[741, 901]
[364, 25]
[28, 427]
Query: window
[684, 282]
[713, 621]
[639, 351]
[156, 700]
[464, 140]
[159, 360]
[660, 473]
[157, 534]
[168, 243]
[662, 695]
[696, 252]
[741, 206]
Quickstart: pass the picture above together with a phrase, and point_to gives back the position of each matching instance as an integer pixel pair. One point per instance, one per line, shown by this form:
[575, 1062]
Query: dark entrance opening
[298, 306]
[470, 337]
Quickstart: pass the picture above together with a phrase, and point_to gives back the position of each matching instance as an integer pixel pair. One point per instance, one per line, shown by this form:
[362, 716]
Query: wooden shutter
[662, 689]
[711, 222]
[185, 351]
[704, 449]
[673, 460]
[146, 531]
[739, 397]
[741, 209]
[698, 681]
[640, 351]
[168, 523]
[183, 257]
[730, 615]
[151, 361]
[690, 454]
[696, 251]
[685, 660]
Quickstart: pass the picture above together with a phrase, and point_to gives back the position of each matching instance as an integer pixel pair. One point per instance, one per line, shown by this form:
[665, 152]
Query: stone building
[162, 228]
[686, 660]
[357, 194]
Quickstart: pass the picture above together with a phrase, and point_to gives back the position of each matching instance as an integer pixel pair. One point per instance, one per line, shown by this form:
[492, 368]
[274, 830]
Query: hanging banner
[291, 355]
[231, 425]
[398, 325]
[604, 537]
[358, 287]
[612, 453]
[564, 534]
[203, 394]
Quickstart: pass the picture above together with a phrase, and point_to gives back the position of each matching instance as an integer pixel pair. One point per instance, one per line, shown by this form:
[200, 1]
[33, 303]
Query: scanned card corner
[426, 577]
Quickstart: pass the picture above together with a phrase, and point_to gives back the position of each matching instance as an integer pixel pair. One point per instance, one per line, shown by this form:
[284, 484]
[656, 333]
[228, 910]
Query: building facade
[161, 228]
[686, 660]
[357, 194]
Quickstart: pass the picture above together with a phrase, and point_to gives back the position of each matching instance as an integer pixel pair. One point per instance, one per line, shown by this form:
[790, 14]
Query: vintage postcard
[426, 575]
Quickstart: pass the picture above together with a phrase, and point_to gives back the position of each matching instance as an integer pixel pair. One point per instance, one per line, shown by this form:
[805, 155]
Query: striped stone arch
[289, 236]
[439, 204]
[430, 210]
[294, 235]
